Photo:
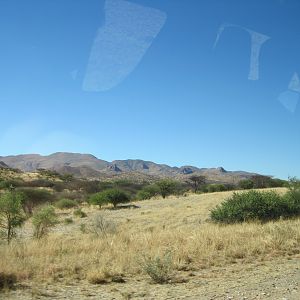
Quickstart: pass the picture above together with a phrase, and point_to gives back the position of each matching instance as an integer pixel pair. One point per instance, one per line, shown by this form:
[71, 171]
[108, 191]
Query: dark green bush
[256, 205]
[113, 196]
[66, 203]
[246, 184]
[167, 187]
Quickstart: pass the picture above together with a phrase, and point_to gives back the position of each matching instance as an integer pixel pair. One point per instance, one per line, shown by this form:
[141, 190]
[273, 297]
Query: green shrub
[66, 203]
[79, 213]
[253, 205]
[43, 220]
[11, 215]
[167, 187]
[148, 192]
[160, 269]
[113, 196]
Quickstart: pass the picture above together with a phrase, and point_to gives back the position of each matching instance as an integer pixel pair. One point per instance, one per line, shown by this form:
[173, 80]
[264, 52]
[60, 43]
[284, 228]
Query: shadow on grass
[130, 206]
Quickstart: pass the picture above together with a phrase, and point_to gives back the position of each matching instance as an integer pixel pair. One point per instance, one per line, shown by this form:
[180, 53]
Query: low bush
[257, 205]
[79, 213]
[160, 269]
[65, 204]
[43, 220]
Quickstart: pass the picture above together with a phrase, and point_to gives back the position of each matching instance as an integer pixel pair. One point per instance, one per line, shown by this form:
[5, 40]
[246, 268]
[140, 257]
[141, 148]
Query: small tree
[166, 187]
[11, 215]
[98, 199]
[148, 192]
[113, 196]
[43, 220]
[197, 181]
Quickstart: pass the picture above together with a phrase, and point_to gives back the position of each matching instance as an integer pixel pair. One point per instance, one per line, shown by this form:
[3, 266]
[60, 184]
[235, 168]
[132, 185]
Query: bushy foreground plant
[257, 205]
[43, 220]
[159, 268]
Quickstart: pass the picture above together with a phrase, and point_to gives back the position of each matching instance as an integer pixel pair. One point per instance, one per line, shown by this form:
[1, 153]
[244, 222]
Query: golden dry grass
[178, 225]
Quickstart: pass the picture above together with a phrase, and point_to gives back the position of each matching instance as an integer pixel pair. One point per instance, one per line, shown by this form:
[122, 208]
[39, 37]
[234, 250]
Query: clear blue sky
[183, 102]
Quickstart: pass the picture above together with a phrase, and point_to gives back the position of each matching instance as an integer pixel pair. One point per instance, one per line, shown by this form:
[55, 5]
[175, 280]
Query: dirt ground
[278, 280]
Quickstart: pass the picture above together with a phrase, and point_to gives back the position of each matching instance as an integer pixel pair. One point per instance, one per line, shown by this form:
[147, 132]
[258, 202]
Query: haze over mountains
[89, 166]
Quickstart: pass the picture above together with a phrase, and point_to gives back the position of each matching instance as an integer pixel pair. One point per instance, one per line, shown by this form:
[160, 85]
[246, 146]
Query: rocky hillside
[89, 166]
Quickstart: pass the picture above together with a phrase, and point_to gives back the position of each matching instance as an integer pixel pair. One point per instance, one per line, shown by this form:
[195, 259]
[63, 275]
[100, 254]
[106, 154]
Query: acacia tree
[197, 181]
[113, 196]
[11, 215]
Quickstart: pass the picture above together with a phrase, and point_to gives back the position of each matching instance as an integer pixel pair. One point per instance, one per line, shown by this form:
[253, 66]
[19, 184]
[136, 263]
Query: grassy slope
[175, 224]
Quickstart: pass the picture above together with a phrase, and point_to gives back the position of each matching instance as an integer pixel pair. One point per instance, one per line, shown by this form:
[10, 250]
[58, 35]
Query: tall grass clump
[257, 205]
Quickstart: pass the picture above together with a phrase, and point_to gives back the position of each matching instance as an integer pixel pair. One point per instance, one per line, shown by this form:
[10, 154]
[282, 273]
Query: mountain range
[89, 166]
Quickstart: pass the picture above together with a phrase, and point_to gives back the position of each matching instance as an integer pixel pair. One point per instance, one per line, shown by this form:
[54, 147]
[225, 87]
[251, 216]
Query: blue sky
[181, 103]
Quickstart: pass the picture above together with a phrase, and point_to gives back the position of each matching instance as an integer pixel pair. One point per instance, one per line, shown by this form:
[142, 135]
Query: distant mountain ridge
[89, 166]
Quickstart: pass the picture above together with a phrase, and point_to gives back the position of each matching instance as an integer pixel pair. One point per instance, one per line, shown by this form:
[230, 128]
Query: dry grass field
[106, 254]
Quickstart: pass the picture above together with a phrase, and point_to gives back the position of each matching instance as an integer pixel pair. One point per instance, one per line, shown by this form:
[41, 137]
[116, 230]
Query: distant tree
[166, 187]
[113, 196]
[11, 215]
[148, 192]
[260, 181]
[34, 197]
[197, 181]
[246, 184]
